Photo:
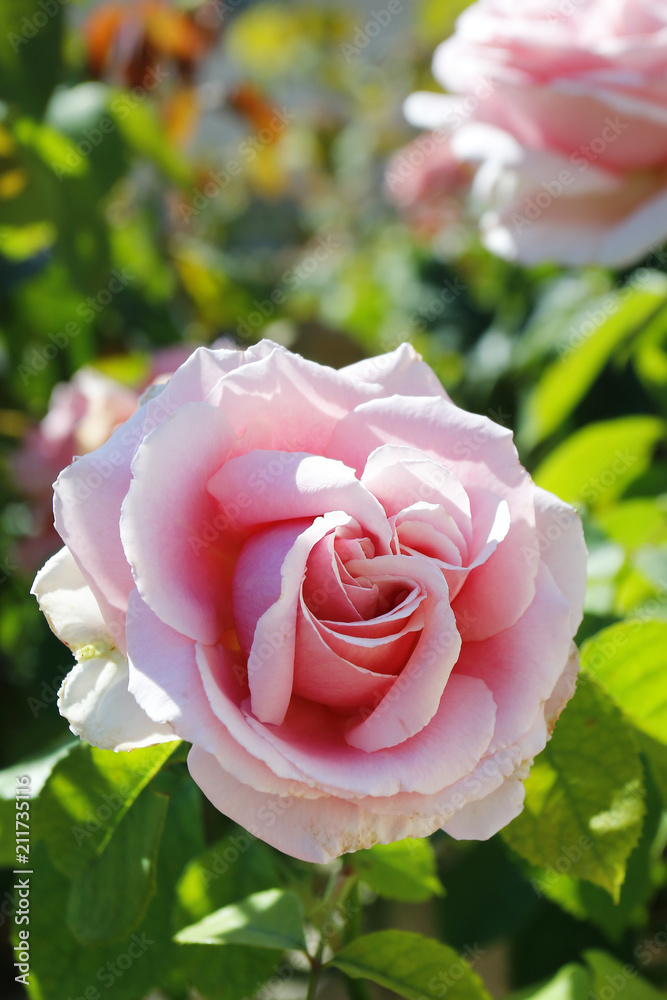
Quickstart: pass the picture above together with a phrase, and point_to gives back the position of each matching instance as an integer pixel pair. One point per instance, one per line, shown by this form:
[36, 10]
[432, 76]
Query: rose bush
[342, 589]
[559, 114]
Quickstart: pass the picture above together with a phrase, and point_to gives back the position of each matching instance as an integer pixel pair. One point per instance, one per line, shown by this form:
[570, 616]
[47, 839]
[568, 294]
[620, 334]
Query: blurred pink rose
[83, 413]
[559, 108]
[342, 589]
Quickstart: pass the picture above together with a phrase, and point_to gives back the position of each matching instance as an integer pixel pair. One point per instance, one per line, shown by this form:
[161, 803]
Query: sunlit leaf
[270, 919]
[412, 966]
[584, 796]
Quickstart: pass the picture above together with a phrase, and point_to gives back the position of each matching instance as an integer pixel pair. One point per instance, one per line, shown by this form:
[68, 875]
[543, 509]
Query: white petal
[95, 700]
[68, 603]
[94, 697]
[425, 109]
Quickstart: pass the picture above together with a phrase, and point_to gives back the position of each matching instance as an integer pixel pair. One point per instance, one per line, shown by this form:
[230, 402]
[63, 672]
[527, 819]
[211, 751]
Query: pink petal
[401, 372]
[314, 831]
[164, 677]
[479, 453]
[324, 676]
[87, 501]
[424, 677]
[382, 654]
[400, 477]
[271, 656]
[181, 575]
[481, 820]
[560, 544]
[303, 486]
[522, 664]
[310, 746]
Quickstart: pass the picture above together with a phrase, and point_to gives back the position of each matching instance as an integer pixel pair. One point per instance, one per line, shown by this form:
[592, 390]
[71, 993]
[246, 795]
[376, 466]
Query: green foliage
[271, 919]
[411, 965]
[604, 976]
[597, 464]
[628, 660]
[88, 795]
[405, 870]
[585, 795]
[234, 867]
[96, 911]
[597, 332]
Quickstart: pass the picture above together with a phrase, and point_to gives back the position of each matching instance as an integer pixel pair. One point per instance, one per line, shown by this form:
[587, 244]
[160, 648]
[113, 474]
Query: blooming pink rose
[342, 589]
[561, 108]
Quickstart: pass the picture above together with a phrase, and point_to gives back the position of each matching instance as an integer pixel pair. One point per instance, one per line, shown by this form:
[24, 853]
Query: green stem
[315, 969]
[312, 983]
[357, 989]
[354, 927]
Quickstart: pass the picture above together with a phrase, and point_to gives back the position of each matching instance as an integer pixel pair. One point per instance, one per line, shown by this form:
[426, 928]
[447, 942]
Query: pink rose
[561, 109]
[342, 589]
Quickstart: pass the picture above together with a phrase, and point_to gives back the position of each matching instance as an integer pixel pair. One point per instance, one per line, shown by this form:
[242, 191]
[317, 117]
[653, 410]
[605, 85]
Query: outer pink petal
[442, 753]
[164, 677]
[561, 545]
[314, 831]
[401, 372]
[522, 664]
[481, 820]
[87, 501]
[182, 577]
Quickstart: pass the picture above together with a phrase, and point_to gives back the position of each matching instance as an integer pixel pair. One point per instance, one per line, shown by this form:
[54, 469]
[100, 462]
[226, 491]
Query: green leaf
[656, 754]
[140, 128]
[54, 149]
[411, 965]
[87, 796]
[110, 898]
[30, 52]
[270, 919]
[608, 974]
[597, 463]
[640, 521]
[572, 982]
[231, 869]
[586, 901]
[37, 768]
[597, 332]
[585, 795]
[405, 870]
[628, 660]
[147, 958]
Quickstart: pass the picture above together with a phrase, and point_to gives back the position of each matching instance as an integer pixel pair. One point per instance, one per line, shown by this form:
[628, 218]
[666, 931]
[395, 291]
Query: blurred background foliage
[173, 173]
